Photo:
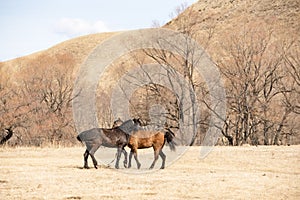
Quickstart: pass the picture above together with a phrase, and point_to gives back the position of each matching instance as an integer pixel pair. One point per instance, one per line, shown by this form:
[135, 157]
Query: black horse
[8, 134]
[116, 137]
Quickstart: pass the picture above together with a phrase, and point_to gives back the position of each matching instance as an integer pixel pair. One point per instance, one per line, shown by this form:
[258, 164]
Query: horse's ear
[8, 130]
[137, 121]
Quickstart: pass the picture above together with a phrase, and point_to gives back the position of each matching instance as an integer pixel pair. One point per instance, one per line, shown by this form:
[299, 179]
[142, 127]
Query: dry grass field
[263, 172]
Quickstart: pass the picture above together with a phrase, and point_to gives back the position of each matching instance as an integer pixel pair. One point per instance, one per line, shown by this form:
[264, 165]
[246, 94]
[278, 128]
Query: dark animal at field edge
[116, 137]
[9, 133]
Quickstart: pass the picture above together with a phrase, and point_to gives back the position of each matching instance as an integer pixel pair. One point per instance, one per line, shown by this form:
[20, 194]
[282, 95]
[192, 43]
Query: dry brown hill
[78, 48]
[225, 17]
[228, 17]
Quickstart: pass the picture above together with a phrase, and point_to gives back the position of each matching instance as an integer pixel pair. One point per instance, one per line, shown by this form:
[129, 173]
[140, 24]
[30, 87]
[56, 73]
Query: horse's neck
[127, 126]
[127, 123]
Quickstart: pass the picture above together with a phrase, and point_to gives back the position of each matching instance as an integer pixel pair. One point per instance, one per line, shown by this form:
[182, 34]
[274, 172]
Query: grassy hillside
[254, 43]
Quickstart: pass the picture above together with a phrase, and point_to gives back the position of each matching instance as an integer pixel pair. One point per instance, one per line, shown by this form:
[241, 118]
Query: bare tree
[47, 88]
[13, 112]
[256, 83]
[180, 69]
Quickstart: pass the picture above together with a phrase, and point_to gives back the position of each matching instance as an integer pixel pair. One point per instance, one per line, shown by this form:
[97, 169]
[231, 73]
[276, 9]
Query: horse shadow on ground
[82, 168]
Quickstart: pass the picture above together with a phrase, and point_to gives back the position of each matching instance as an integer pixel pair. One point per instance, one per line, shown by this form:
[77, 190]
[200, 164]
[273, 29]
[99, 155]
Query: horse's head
[8, 130]
[137, 121]
[117, 123]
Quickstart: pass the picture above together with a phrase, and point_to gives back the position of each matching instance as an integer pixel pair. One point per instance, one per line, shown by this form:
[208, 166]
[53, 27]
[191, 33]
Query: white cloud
[72, 27]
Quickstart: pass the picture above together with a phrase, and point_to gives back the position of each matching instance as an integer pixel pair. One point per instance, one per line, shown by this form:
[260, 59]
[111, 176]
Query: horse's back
[90, 135]
[145, 139]
[114, 135]
[90, 138]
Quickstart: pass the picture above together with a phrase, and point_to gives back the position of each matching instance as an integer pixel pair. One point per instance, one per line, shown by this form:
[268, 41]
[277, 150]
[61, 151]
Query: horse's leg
[130, 157]
[118, 157]
[85, 158]
[125, 157]
[92, 152]
[134, 152]
[163, 157]
[156, 153]
[136, 159]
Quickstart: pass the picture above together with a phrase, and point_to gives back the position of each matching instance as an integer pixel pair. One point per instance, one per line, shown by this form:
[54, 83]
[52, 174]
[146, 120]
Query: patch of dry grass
[264, 172]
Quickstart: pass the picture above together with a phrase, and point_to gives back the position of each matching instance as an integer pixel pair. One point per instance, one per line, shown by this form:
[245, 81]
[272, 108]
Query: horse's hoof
[139, 166]
[96, 167]
[162, 168]
[85, 167]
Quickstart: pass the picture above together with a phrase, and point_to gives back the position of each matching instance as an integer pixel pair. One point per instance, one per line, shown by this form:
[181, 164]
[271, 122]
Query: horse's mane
[131, 125]
[128, 126]
[151, 127]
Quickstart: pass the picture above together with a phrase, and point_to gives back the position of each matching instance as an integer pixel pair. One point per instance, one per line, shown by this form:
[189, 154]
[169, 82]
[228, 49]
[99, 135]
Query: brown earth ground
[263, 172]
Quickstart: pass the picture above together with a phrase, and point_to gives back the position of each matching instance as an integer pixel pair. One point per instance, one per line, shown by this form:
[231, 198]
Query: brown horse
[141, 138]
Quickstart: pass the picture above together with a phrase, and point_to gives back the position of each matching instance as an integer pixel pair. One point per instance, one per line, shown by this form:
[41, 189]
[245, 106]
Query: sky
[28, 26]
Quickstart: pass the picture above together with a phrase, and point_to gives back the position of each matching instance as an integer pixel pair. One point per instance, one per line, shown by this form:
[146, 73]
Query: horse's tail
[169, 136]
